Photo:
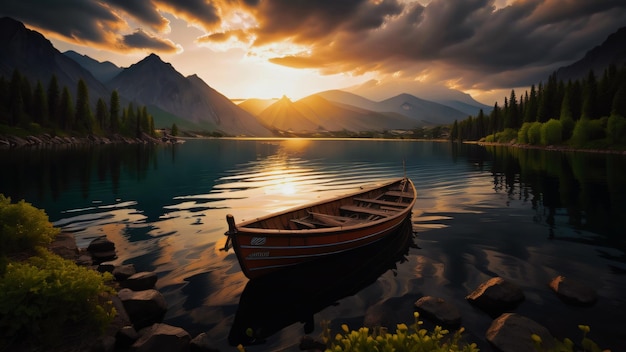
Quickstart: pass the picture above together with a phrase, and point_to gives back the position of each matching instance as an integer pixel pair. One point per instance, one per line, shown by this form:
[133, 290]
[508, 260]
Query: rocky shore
[49, 140]
[141, 308]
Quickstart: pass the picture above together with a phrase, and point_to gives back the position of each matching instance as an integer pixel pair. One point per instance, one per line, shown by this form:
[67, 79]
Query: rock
[106, 267]
[201, 343]
[573, 292]
[144, 308]
[513, 332]
[64, 245]
[101, 250]
[496, 295]
[126, 336]
[84, 260]
[101, 244]
[144, 280]
[438, 310]
[162, 337]
[123, 272]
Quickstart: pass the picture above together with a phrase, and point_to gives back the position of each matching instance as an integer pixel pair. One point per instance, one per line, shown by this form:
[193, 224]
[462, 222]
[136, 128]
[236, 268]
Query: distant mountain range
[193, 105]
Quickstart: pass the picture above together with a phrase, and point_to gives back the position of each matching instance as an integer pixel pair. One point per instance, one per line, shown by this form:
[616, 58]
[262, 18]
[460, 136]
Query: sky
[269, 48]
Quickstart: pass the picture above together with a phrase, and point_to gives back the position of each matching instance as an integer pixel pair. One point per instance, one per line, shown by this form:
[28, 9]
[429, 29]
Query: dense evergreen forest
[586, 113]
[51, 110]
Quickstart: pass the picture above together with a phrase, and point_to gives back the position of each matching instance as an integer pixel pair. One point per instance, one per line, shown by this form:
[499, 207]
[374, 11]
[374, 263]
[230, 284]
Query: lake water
[524, 215]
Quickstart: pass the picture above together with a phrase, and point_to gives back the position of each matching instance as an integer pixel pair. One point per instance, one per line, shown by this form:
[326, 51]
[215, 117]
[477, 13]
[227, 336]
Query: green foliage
[404, 339]
[616, 129]
[23, 227]
[567, 345]
[534, 133]
[505, 136]
[45, 294]
[522, 134]
[551, 132]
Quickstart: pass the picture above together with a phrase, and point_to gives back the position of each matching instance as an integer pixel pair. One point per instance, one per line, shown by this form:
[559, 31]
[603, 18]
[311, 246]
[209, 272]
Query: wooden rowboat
[321, 229]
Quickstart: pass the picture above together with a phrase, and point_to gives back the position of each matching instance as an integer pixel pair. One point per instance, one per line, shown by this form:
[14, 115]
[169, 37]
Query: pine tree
[66, 111]
[530, 109]
[16, 104]
[84, 119]
[590, 97]
[114, 112]
[513, 113]
[54, 98]
[101, 114]
[40, 105]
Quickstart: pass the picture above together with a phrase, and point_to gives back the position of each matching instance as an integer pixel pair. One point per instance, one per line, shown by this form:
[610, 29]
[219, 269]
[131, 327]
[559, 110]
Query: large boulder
[496, 296]
[140, 281]
[123, 272]
[144, 308]
[64, 245]
[512, 332]
[202, 343]
[101, 249]
[573, 292]
[162, 337]
[438, 310]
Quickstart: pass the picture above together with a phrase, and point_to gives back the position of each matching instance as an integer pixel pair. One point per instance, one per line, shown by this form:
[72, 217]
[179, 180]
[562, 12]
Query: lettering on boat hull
[259, 255]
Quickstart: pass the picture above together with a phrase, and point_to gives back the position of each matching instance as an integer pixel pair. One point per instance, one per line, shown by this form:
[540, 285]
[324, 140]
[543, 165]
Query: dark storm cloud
[76, 19]
[93, 22]
[470, 41]
[141, 39]
[305, 21]
[199, 12]
[143, 11]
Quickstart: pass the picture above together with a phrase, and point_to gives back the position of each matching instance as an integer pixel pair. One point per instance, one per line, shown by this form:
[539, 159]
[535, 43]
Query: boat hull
[269, 244]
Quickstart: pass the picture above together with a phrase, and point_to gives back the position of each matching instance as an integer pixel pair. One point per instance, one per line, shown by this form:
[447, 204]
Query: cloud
[471, 44]
[141, 39]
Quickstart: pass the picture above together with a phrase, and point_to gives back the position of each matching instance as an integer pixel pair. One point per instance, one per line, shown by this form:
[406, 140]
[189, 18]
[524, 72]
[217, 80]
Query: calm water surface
[523, 215]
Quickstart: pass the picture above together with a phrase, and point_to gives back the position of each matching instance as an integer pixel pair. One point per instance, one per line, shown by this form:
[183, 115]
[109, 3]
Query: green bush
[506, 136]
[23, 227]
[534, 133]
[567, 345]
[522, 134]
[616, 129]
[404, 339]
[44, 295]
[551, 132]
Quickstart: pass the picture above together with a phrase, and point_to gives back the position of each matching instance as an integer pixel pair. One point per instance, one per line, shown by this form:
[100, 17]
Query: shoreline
[554, 148]
[11, 142]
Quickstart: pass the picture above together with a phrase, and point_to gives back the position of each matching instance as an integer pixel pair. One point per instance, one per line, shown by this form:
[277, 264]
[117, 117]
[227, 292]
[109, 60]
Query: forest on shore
[25, 110]
[587, 113]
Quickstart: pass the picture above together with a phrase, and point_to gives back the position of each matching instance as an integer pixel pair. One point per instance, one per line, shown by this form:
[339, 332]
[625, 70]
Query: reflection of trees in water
[588, 189]
[58, 168]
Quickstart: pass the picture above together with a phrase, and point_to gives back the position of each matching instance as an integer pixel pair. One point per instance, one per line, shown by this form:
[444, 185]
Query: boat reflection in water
[274, 301]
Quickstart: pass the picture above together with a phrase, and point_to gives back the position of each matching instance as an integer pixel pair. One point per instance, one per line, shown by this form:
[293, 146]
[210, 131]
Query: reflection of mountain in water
[273, 302]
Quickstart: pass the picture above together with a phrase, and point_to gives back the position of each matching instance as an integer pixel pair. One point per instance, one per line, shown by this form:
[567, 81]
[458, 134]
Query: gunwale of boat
[244, 226]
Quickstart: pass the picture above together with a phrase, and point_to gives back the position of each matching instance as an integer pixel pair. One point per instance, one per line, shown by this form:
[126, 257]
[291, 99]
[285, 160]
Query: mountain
[378, 90]
[153, 82]
[256, 106]
[102, 71]
[36, 58]
[611, 51]
[314, 113]
[422, 112]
